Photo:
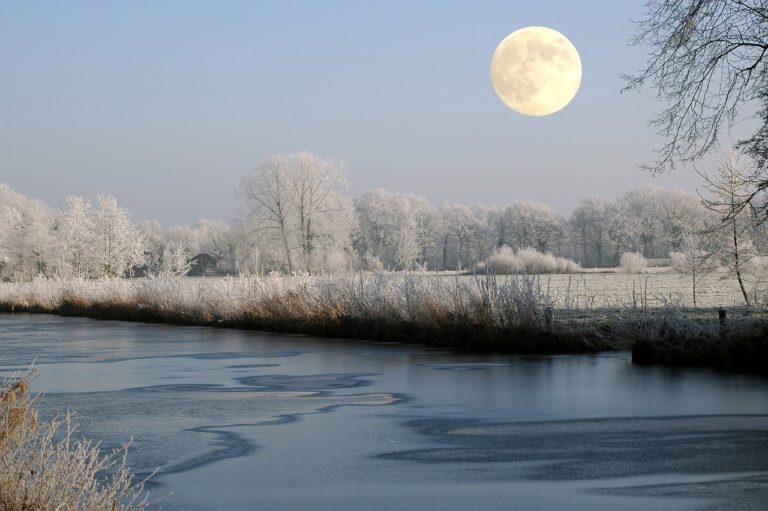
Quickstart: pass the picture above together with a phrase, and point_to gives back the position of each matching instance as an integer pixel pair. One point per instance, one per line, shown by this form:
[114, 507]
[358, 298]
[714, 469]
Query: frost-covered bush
[505, 261]
[536, 262]
[633, 262]
[43, 467]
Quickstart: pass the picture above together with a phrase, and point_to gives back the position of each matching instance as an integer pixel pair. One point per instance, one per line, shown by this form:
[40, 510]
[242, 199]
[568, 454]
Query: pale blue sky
[167, 104]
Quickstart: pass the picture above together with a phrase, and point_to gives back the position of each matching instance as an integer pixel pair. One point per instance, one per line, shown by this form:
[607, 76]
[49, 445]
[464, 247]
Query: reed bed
[487, 312]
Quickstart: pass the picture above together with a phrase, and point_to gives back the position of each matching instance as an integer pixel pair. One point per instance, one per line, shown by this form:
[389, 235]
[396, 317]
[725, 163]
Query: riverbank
[734, 345]
[512, 315]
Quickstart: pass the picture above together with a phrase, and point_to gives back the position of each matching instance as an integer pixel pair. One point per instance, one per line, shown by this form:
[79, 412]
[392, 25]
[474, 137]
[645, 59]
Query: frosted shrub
[536, 262]
[633, 262]
[505, 261]
[42, 467]
[568, 266]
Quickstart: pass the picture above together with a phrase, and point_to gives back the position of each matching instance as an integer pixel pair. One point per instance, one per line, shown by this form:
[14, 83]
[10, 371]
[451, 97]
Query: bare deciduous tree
[268, 194]
[533, 225]
[315, 183]
[707, 58]
[590, 223]
[727, 191]
[287, 195]
[698, 256]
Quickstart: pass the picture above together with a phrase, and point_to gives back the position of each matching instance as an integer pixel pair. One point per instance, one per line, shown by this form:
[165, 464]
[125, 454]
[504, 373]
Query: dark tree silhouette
[707, 59]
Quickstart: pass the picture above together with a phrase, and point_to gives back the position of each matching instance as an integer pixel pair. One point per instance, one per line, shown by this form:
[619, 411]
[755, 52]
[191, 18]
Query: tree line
[299, 218]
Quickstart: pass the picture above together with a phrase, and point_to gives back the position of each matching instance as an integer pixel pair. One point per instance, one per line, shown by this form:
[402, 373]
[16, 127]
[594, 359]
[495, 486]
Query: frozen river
[248, 420]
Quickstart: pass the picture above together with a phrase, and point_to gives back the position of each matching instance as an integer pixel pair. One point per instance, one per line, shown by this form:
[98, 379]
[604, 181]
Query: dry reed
[44, 468]
[507, 314]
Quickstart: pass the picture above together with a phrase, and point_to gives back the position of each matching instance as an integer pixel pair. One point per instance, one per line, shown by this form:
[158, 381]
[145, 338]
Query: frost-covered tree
[497, 223]
[589, 222]
[332, 237]
[394, 230]
[242, 256]
[189, 236]
[118, 245]
[726, 190]
[323, 231]
[642, 212]
[462, 236]
[176, 259]
[698, 255]
[291, 199]
[315, 184]
[532, 224]
[25, 242]
[268, 194]
[651, 220]
[373, 236]
[677, 211]
[74, 238]
[228, 243]
[618, 229]
[155, 237]
[405, 233]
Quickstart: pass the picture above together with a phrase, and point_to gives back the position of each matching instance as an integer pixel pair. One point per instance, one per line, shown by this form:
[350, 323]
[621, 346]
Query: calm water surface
[247, 420]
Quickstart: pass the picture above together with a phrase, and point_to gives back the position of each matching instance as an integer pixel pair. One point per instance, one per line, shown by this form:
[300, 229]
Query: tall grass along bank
[512, 314]
[517, 314]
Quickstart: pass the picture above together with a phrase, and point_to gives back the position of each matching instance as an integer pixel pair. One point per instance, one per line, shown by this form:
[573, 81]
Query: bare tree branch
[707, 59]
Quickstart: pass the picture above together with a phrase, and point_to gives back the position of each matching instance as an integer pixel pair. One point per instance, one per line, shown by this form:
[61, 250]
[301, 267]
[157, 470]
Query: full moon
[536, 71]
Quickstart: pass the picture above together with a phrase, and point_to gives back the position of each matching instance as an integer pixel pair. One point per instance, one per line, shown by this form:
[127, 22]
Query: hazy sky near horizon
[166, 105]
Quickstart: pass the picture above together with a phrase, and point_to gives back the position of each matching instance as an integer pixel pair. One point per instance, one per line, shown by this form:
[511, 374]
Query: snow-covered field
[607, 287]
[587, 290]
